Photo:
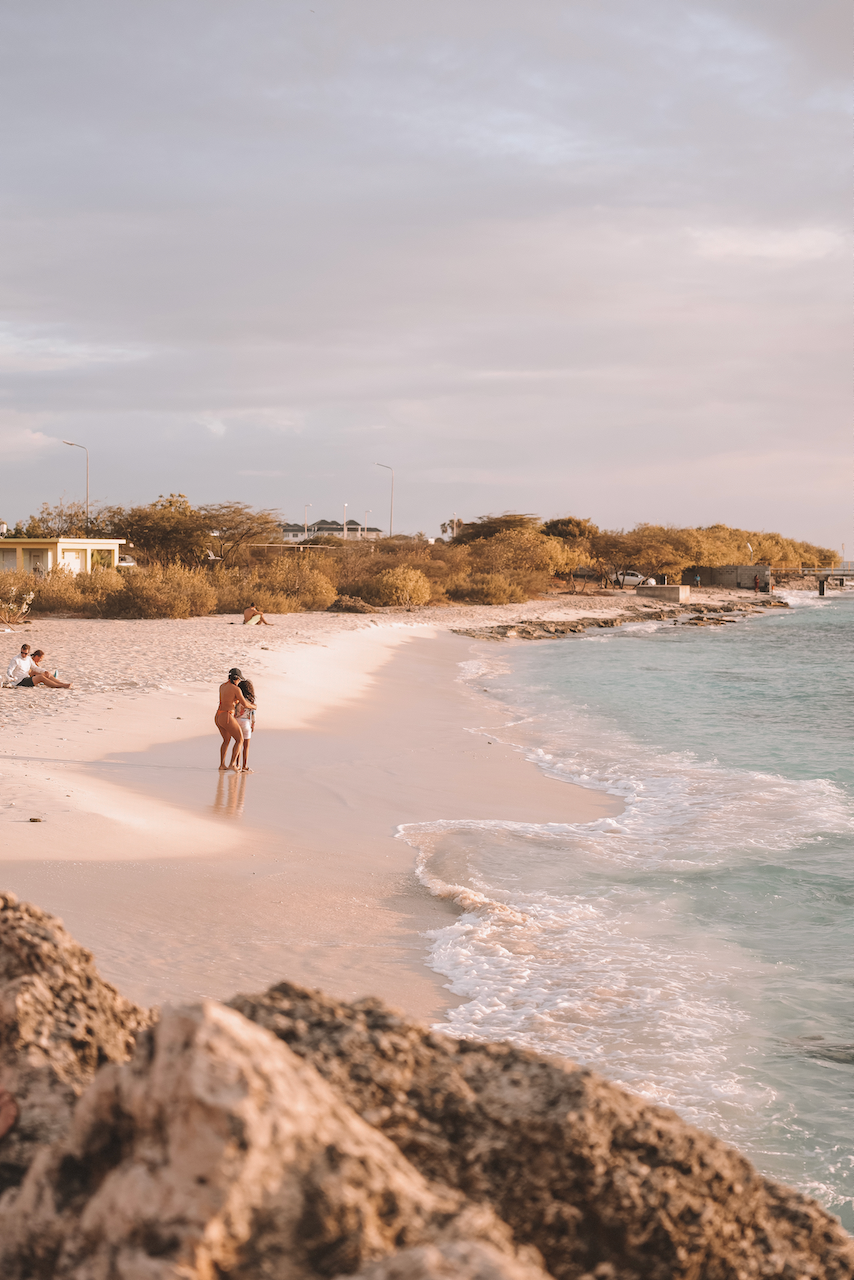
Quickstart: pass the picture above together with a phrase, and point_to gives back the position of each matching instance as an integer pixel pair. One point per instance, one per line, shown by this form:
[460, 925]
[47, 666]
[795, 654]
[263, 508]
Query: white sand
[185, 882]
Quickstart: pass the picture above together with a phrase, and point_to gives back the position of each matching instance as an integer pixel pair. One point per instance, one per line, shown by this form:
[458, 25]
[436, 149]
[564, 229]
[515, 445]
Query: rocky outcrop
[59, 1022]
[576, 1165]
[295, 1137]
[217, 1151]
[351, 604]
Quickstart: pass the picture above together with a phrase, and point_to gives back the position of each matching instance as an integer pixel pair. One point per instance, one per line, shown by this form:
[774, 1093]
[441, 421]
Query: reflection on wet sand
[230, 793]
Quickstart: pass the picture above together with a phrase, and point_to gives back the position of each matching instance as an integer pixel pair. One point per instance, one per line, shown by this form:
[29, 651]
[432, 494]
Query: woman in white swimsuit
[245, 718]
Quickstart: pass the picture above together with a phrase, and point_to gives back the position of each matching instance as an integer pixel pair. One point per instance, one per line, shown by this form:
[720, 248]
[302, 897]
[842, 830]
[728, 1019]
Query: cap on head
[235, 674]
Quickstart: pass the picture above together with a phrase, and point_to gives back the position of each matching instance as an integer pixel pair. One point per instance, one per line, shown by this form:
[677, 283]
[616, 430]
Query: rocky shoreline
[288, 1135]
[696, 615]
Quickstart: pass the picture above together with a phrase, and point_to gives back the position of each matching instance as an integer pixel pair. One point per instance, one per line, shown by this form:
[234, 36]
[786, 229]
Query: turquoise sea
[699, 947]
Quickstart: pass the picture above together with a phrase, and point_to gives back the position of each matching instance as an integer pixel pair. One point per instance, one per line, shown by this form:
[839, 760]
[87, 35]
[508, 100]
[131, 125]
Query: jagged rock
[351, 604]
[217, 1151]
[59, 1021]
[465, 1260]
[601, 1182]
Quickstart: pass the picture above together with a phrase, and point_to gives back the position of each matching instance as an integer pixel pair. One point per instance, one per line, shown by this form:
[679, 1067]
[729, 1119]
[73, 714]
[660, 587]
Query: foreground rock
[217, 1151]
[293, 1137]
[59, 1022]
[577, 1166]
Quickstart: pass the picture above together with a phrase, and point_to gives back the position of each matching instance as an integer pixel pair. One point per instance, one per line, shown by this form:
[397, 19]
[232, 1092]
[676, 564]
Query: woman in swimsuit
[245, 718]
[230, 698]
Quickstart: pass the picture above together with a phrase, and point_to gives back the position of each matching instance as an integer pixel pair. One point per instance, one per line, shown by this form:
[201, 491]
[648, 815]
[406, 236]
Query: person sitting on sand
[36, 677]
[252, 616]
[230, 700]
[245, 717]
[19, 667]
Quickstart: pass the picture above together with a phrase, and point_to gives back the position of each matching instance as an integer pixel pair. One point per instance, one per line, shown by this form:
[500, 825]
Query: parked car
[632, 579]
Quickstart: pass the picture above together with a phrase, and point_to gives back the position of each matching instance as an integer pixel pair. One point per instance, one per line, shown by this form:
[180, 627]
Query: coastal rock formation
[577, 1166]
[59, 1021]
[351, 604]
[296, 1137]
[217, 1151]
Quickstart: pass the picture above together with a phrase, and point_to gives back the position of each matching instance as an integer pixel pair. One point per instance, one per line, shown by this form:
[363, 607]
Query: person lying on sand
[252, 616]
[230, 700]
[35, 676]
[246, 719]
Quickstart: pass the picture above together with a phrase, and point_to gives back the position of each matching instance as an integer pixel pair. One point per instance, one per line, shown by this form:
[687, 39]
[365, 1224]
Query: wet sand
[186, 882]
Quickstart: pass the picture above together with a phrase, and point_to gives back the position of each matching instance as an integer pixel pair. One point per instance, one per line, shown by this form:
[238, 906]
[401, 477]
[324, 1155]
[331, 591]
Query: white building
[40, 555]
[331, 529]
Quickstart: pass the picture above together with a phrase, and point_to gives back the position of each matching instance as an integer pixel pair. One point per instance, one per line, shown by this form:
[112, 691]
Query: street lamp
[386, 467]
[86, 451]
[305, 519]
[368, 512]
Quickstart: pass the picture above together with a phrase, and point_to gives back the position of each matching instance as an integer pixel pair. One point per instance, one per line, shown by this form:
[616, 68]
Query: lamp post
[367, 513]
[74, 445]
[345, 521]
[386, 467]
[305, 519]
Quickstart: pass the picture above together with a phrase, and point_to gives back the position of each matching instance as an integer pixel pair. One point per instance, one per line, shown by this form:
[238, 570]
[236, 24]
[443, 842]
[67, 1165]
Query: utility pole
[367, 513]
[305, 519]
[345, 521]
[386, 467]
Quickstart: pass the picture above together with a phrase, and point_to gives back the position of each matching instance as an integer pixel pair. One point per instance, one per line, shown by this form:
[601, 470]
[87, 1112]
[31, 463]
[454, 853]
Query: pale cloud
[796, 244]
[35, 349]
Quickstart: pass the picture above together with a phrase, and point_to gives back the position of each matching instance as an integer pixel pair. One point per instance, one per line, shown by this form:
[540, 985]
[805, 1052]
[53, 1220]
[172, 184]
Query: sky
[585, 257]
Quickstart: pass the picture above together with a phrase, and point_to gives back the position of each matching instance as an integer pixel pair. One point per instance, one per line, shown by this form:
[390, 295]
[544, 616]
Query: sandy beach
[186, 882]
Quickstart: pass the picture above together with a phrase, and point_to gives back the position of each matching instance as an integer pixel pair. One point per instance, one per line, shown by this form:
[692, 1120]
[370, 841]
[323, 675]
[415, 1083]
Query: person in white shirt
[32, 673]
[19, 667]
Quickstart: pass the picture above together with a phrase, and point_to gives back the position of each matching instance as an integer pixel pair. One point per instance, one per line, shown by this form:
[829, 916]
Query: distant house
[293, 532]
[40, 555]
[331, 529]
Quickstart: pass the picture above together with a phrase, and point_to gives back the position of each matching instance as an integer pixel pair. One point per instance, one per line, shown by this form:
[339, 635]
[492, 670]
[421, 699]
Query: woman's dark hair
[247, 689]
[39, 653]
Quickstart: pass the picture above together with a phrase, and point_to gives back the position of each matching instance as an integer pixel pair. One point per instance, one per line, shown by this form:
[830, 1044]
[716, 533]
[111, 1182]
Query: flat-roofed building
[40, 555]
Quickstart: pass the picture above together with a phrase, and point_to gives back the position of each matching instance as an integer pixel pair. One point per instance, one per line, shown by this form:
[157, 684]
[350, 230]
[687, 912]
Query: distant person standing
[252, 616]
[756, 582]
[696, 579]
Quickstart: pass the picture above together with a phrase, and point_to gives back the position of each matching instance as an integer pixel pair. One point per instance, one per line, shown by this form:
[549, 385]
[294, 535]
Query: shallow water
[698, 948]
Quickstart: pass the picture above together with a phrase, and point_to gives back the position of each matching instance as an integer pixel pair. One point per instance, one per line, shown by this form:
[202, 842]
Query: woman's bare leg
[246, 768]
[234, 731]
[41, 677]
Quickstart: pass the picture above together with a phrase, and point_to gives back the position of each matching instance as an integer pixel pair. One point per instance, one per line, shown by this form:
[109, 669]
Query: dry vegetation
[494, 560]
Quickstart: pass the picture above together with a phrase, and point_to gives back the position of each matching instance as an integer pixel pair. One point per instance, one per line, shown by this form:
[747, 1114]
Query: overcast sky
[587, 257]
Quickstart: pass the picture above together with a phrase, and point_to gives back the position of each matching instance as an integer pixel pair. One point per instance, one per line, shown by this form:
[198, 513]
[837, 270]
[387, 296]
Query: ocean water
[699, 948]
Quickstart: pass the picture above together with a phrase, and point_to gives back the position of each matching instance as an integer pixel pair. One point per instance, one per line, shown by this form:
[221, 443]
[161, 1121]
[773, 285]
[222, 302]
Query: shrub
[162, 592]
[15, 599]
[486, 588]
[402, 586]
[519, 551]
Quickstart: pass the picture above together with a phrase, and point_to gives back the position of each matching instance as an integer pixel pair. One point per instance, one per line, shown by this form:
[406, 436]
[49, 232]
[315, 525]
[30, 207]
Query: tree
[168, 531]
[65, 520]
[571, 528]
[490, 526]
[231, 526]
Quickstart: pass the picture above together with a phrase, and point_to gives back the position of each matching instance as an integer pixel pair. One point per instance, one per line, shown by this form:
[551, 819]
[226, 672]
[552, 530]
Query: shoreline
[187, 883]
